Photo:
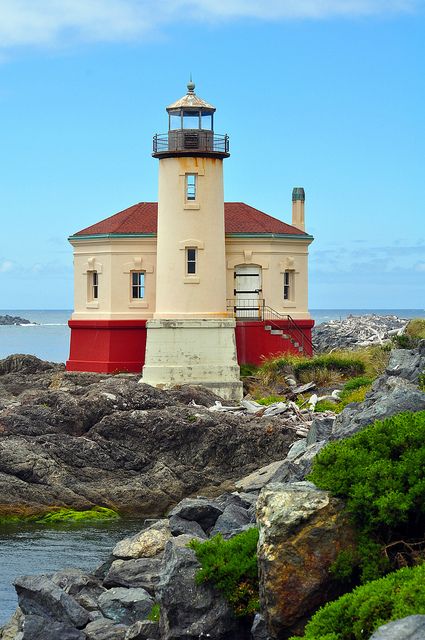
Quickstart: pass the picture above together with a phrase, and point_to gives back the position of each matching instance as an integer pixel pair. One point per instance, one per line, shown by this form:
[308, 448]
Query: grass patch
[380, 474]
[356, 615]
[60, 516]
[231, 566]
[248, 370]
[271, 400]
[416, 328]
[354, 390]
[154, 613]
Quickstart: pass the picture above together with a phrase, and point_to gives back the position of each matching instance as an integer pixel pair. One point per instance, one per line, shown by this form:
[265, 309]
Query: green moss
[356, 615]
[380, 474]
[154, 613]
[59, 516]
[231, 566]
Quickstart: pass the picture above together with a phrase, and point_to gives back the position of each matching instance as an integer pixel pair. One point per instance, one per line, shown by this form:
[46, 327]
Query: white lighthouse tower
[191, 339]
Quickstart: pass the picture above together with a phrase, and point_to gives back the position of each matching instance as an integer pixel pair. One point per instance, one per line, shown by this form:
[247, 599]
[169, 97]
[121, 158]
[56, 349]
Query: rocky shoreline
[356, 331]
[156, 566]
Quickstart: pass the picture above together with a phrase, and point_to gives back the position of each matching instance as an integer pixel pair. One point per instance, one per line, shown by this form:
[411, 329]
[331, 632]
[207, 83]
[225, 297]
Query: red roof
[142, 218]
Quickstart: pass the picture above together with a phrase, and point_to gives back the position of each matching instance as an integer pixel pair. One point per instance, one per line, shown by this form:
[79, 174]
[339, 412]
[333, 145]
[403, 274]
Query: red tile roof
[142, 218]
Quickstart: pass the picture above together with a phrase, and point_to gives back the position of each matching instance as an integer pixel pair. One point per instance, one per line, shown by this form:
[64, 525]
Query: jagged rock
[35, 627]
[233, 519]
[104, 629]
[259, 628]
[296, 450]
[410, 628]
[80, 439]
[302, 530]
[85, 588]
[180, 526]
[389, 395]
[143, 630]
[11, 320]
[356, 331]
[321, 429]
[407, 364]
[298, 468]
[146, 544]
[256, 480]
[201, 510]
[10, 630]
[40, 596]
[140, 572]
[125, 606]
[188, 610]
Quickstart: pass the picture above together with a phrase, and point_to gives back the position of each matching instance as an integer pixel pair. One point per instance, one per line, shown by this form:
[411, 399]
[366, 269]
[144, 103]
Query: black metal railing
[190, 140]
[256, 309]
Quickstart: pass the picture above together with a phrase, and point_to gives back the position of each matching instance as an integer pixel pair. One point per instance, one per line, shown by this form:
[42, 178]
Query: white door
[247, 291]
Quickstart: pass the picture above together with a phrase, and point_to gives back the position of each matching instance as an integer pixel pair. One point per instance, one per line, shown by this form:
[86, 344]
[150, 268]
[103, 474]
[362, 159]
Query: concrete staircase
[276, 331]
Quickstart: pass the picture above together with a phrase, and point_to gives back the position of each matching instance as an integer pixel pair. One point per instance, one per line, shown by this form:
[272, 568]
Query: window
[191, 261]
[94, 285]
[190, 187]
[137, 285]
[288, 285]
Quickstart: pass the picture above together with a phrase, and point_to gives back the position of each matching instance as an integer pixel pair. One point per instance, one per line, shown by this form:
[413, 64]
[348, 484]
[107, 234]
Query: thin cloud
[52, 23]
[6, 265]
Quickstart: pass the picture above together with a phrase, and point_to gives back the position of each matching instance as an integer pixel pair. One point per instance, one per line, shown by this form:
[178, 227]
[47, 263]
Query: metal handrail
[204, 139]
[266, 313]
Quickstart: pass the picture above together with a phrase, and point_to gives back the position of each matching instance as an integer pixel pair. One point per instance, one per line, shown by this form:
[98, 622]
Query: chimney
[298, 199]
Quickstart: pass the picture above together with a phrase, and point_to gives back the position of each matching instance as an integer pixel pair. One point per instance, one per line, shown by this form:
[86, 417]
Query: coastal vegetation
[61, 516]
[356, 615]
[231, 566]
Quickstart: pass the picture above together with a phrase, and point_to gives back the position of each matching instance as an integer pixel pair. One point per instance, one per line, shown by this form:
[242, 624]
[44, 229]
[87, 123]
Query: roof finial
[191, 85]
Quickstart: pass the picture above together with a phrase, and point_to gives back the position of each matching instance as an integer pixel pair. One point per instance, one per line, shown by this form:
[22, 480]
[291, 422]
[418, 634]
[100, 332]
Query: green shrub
[403, 341]
[380, 473]
[271, 400]
[356, 615]
[355, 383]
[353, 391]
[231, 566]
[248, 370]
[154, 613]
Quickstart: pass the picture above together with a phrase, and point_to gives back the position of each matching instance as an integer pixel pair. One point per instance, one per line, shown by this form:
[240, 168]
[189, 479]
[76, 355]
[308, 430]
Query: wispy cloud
[50, 23]
[5, 266]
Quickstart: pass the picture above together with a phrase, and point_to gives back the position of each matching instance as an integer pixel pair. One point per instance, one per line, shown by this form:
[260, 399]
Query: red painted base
[107, 346]
[254, 343]
[110, 346]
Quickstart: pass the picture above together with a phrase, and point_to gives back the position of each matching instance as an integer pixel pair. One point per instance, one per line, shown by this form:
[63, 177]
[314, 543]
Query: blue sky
[324, 94]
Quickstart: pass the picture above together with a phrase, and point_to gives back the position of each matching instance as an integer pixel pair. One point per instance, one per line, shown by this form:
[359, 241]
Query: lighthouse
[191, 338]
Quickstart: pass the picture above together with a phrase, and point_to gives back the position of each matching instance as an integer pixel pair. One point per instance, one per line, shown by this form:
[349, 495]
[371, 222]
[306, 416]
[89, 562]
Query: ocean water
[48, 336]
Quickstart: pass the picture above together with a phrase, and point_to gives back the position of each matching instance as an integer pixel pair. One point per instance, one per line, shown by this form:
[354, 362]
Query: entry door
[247, 291]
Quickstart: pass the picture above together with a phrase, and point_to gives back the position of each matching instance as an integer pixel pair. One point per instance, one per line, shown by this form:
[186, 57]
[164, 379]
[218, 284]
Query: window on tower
[190, 187]
[137, 285]
[191, 261]
[94, 276]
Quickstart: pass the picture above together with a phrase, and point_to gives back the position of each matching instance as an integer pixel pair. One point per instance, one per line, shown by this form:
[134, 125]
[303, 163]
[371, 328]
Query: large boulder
[125, 606]
[190, 611]
[140, 572]
[410, 628]
[40, 596]
[39, 628]
[302, 530]
[146, 544]
[104, 629]
[407, 363]
[201, 510]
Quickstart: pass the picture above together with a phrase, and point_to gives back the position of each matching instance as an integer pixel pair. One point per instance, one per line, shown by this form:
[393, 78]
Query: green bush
[356, 615]
[231, 566]
[248, 370]
[380, 473]
[353, 391]
[271, 400]
[355, 383]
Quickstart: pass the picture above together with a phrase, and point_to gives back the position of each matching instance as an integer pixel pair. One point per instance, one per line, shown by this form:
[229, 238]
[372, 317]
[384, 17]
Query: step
[286, 336]
[276, 332]
[268, 327]
[296, 344]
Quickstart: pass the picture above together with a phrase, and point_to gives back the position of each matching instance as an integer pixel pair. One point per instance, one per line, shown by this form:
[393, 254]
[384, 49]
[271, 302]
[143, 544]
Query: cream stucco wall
[115, 258]
[196, 224]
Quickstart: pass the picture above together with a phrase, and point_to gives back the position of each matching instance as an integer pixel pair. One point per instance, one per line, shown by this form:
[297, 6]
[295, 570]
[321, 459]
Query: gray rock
[201, 510]
[140, 572]
[259, 628]
[143, 630]
[180, 526]
[103, 629]
[125, 606]
[410, 628]
[321, 429]
[233, 519]
[296, 450]
[39, 596]
[388, 396]
[187, 609]
[297, 470]
[146, 544]
[406, 363]
[41, 628]
[257, 479]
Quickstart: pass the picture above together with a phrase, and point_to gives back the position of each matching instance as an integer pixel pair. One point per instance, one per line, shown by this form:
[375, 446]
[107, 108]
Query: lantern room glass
[190, 120]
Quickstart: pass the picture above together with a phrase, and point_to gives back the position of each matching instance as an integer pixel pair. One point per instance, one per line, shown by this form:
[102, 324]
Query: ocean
[48, 335]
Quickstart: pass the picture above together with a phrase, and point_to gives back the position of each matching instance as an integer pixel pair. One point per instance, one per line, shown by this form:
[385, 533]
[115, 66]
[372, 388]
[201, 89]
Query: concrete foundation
[197, 352]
